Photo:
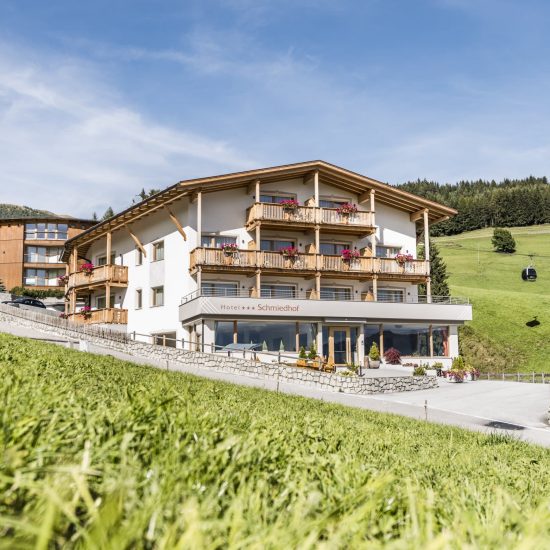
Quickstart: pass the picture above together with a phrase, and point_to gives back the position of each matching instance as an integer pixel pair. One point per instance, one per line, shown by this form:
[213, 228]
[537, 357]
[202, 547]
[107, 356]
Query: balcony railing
[307, 215]
[114, 274]
[267, 260]
[97, 316]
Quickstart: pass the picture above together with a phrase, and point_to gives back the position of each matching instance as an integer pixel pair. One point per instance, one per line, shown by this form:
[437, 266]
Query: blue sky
[99, 99]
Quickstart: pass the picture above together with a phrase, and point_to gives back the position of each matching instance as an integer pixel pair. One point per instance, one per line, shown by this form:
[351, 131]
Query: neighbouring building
[277, 258]
[31, 248]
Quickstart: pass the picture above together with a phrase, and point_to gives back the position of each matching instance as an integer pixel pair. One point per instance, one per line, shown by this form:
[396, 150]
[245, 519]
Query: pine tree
[438, 270]
[109, 213]
[94, 216]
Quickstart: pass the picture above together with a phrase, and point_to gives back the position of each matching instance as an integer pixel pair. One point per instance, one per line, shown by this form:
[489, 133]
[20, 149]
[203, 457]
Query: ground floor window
[409, 339]
[167, 339]
[272, 336]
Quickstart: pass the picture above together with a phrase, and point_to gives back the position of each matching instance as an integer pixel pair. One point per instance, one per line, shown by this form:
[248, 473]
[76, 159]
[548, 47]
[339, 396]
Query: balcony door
[339, 345]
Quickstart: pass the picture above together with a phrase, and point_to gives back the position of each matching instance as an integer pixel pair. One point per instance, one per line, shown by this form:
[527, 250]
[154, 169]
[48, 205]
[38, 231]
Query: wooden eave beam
[418, 215]
[176, 222]
[136, 240]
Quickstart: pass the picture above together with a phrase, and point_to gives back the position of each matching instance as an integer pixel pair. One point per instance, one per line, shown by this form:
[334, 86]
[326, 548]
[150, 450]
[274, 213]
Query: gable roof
[328, 173]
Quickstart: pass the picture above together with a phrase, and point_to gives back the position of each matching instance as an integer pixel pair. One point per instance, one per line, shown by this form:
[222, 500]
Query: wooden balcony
[248, 261]
[275, 216]
[115, 275]
[101, 316]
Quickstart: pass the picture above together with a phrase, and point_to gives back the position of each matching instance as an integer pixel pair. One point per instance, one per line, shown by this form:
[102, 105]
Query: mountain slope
[498, 338]
[17, 211]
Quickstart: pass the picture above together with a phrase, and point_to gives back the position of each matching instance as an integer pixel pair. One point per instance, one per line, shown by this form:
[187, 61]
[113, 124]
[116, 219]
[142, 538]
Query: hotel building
[278, 258]
[31, 248]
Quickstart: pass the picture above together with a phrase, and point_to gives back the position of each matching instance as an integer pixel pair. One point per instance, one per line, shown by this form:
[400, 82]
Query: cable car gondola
[529, 273]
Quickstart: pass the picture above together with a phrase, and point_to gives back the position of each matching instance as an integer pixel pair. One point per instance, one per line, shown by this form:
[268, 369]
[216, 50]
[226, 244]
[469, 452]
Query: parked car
[25, 302]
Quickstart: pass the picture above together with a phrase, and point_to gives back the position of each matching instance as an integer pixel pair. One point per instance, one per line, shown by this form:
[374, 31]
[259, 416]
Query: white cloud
[69, 144]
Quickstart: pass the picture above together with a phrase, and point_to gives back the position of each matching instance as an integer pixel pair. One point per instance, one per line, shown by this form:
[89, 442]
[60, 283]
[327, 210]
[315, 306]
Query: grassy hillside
[16, 211]
[498, 338]
[98, 453]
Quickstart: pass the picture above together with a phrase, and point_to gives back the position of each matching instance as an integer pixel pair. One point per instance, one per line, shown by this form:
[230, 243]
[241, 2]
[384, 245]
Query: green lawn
[498, 338]
[99, 453]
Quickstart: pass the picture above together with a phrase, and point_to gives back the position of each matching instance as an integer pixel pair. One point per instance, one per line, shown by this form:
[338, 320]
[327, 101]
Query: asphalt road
[513, 408]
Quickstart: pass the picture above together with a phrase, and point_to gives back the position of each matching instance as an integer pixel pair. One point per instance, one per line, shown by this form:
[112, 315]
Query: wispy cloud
[68, 143]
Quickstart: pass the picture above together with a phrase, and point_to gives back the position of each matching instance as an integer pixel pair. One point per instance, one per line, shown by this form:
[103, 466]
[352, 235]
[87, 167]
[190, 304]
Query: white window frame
[139, 256]
[138, 298]
[155, 247]
[154, 294]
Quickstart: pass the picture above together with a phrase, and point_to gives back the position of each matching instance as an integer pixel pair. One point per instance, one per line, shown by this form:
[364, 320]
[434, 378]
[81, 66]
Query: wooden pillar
[317, 240]
[373, 221]
[258, 237]
[318, 286]
[199, 279]
[381, 346]
[316, 187]
[107, 296]
[235, 335]
[431, 341]
[319, 342]
[428, 290]
[257, 191]
[426, 236]
[74, 265]
[199, 218]
[108, 248]
[375, 287]
[297, 337]
[258, 283]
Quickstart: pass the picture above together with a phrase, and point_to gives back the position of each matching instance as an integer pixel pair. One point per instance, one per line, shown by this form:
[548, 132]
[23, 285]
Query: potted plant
[62, 280]
[471, 373]
[86, 312]
[346, 211]
[419, 371]
[392, 356]
[302, 358]
[229, 251]
[374, 357]
[403, 259]
[457, 372]
[289, 253]
[348, 257]
[87, 268]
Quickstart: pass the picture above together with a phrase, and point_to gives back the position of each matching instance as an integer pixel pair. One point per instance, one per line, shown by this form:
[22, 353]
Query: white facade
[184, 313]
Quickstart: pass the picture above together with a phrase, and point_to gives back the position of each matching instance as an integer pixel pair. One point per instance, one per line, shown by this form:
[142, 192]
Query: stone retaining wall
[221, 363]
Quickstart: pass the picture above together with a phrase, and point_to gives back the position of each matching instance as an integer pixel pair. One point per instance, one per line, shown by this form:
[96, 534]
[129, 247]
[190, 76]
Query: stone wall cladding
[218, 362]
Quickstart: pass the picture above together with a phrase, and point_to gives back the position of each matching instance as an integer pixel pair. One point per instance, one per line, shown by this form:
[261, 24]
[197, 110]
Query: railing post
[543, 377]
[533, 378]
[518, 376]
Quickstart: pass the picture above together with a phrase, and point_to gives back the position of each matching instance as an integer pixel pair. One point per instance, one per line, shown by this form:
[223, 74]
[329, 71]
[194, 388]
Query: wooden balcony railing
[307, 215]
[101, 316]
[266, 260]
[114, 274]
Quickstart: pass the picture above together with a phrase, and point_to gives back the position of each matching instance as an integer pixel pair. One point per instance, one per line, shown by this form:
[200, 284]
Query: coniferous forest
[487, 203]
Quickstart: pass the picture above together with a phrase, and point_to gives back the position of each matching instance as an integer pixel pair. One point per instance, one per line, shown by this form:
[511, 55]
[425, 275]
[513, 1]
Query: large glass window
[219, 289]
[307, 335]
[333, 248]
[270, 336]
[331, 203]
[278, 291]
[440, 337]
[270, 198]
[335, 293]
[390, 295]
[102, 260]
[216, 241]
[101, 302]
[223, 333]
[43, 254]
[408, 339]
[274, 245]
[383, 251]
[50, 231]
[42, 277]
[372, 336]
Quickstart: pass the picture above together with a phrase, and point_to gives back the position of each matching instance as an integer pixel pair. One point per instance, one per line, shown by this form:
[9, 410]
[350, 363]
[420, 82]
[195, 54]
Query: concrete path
[513, 408]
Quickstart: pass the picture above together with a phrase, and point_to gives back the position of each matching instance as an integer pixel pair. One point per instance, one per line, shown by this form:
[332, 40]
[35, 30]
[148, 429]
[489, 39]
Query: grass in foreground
[498, 338]
[100, 453]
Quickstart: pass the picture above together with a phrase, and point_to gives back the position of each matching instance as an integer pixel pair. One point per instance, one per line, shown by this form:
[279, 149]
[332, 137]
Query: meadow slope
[100, 453]
[498, 337]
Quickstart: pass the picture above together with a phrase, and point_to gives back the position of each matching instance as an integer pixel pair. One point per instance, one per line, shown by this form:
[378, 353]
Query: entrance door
[339, 345]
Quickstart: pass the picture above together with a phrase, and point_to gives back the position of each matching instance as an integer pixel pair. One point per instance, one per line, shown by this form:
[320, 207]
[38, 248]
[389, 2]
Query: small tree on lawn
[503, 241]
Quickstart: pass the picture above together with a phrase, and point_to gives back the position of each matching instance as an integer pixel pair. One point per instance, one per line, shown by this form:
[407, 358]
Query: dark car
[25, 302]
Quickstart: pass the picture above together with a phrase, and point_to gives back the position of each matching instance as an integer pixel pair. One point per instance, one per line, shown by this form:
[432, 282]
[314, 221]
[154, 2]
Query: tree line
[481, 203]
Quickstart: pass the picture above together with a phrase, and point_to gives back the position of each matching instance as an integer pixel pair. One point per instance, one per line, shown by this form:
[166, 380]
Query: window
[408, 339]
[274, 245]
[167, 339]
[158, 251]
[223, 333]
[307, 334]
[43, 254]
[139, 299]
[50, 231]
[269, 336]
[332, 203]
[391, 295]
[278, 291]
[102, 260]
[101, 303]
[42, 277]
[216, 241]
[139, 256]
[219, 289]
[157, 296]
[440, 337]
[335, 293]
[333, 248]
[276, 198]
[372, 336]
[383, 251]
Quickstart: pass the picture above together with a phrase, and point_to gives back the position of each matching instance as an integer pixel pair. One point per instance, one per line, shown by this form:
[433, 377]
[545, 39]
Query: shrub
[458, 363]
[32, 293]
[312, 351]
[374, 353]
[392, 356]
[503, 241]
[302, 354]
[419, 371]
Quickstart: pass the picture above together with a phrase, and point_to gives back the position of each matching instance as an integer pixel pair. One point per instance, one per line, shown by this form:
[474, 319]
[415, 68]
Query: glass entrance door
[339, 345]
